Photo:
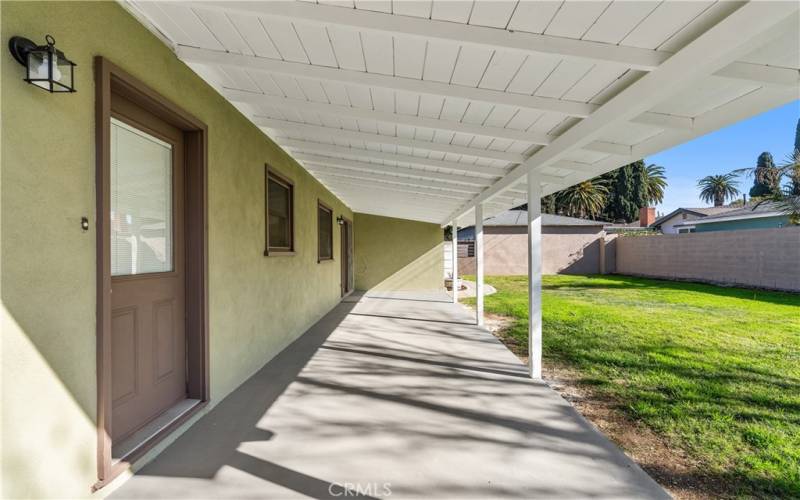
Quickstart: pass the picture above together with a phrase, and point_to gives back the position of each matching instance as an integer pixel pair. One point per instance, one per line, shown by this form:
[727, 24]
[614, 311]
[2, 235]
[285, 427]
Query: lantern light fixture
[340, 220]
[45, 66]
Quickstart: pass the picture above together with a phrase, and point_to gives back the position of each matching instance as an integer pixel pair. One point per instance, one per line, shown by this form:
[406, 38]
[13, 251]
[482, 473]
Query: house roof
[700, 212]
[520, 218]
[767, 209]
[423, 110]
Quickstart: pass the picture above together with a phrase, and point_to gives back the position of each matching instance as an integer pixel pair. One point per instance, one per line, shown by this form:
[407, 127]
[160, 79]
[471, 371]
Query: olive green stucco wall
[397, 254]
[47, 263]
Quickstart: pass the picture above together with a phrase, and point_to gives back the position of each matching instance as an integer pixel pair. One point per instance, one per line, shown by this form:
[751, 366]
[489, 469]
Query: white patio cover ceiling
[421, 109]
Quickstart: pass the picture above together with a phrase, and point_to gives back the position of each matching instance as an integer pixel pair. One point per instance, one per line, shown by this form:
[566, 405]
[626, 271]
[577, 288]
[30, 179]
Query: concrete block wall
[763, 258]
[565, 250]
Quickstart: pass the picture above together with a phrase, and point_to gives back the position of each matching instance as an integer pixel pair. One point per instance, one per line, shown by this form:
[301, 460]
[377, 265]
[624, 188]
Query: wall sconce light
[340, 220]
[45, 65]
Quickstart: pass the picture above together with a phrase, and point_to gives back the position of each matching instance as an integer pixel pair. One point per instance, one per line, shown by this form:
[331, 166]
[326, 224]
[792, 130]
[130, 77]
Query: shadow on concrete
[363, 400]
[424, 361]
[426, 320]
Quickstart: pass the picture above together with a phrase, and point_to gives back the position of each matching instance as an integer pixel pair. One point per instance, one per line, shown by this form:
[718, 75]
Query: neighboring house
[569, 245]
[667, 223]
[764, 216]
[647, 215]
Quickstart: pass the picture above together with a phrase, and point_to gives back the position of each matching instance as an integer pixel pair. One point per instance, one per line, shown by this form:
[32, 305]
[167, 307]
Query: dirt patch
[672, 468]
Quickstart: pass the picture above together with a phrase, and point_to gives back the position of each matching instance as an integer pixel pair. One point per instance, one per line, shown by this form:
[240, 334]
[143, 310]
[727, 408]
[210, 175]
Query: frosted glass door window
[141, 202]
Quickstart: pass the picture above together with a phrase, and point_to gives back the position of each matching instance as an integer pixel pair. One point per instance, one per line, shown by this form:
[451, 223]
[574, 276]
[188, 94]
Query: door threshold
[142, 440]
[352, 296]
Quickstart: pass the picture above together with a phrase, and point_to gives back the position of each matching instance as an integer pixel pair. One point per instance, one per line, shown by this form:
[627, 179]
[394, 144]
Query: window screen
[325, 217]
[279, 214]
[141, 202]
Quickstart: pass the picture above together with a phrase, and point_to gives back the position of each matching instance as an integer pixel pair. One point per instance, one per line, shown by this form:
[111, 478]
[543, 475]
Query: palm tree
[585, 199]
[655, 184]
[718, 188]
[791, 168]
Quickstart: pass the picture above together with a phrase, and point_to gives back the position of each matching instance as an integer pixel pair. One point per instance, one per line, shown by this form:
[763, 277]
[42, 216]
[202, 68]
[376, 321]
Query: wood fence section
[762, 258]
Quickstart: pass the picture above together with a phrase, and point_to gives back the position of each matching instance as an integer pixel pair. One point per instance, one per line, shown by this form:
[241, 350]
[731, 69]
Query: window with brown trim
[279, 214]
[325, 232]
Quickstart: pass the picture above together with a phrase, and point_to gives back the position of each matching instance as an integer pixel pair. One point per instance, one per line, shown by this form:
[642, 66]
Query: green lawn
[716, 371]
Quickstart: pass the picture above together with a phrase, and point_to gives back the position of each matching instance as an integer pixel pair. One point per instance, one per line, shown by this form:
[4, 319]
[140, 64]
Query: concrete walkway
[398, 396]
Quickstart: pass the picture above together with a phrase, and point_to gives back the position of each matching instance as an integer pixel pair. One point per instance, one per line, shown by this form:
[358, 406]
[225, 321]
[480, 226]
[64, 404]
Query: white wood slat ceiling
[420, 109]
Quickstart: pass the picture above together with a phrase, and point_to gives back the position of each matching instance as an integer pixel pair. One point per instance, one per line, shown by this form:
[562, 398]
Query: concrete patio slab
[393, 396]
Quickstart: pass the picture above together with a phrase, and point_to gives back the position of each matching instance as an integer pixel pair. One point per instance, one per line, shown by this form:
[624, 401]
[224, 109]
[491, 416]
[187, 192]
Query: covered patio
[453, 111]
[316, 148]
[395, 395]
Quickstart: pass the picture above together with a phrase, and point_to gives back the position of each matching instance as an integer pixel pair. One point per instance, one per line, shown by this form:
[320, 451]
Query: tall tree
[718, 188]
[655, 184]
[797, 136]
[626, 192]
[793, 163]
[767, 177]
[585, 199]
[786, 199]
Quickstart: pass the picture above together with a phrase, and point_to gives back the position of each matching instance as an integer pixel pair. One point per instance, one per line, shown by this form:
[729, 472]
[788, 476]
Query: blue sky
[736, 146]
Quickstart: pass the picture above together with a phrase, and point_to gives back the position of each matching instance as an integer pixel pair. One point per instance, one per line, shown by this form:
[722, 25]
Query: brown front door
[347, 257]
[148, 338]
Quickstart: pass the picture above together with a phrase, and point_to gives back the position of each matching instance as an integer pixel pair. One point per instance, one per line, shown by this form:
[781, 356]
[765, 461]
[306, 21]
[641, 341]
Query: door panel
[147, 262]
[350, 276]
[164, 326]
[347, 257]
[123, 324]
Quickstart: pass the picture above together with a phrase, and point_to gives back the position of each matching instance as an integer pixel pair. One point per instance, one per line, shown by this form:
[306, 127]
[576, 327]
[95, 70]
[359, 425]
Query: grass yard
[713, 371]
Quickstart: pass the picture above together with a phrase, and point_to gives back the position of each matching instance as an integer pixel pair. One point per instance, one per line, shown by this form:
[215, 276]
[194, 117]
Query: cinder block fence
[763, 258]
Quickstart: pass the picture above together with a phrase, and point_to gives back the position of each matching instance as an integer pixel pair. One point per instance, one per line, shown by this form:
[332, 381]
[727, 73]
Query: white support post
[534, 277]
[455, 261]
[479, 264]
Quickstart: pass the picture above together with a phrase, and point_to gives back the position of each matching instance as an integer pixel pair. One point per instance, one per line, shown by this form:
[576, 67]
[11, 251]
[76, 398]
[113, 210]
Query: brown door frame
[110, 79]
[344, 243]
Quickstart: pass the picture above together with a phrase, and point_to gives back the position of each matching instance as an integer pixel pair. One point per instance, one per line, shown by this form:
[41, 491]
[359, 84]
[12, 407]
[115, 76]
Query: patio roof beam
[491, 38]
[306, 158]
[389, 208]
[403, 181]
[461, 34]
[391, 199]
[299, 145]
[449, 202]
[424, 121]
[383, 116]
[405, 188]
[717, 47]
[352, 135]
[378, 80]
